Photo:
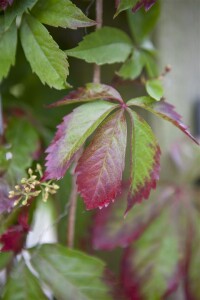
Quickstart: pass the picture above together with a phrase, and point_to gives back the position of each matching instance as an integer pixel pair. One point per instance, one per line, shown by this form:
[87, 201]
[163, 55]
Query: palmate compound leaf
[111, 229]
[152, 261]
[99, 170]
[104, 46]
[145, 160]
[43, 54]
[22, 285]
[164, 110]
[70, 274]
[91, 92]
[71, 135]
[61, 13]
[166, 255]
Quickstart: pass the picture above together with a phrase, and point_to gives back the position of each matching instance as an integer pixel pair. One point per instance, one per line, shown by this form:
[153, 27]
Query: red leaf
[147, 4]
[92, 92]
[112, 230]
[99, 170]
[164, 110]
[71, 135]
[13, 239]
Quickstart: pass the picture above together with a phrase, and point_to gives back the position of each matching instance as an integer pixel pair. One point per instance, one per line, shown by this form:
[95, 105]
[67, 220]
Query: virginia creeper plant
[103, 157]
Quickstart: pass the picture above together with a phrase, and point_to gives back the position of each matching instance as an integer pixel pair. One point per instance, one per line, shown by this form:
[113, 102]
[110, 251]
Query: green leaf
[61, 13]
[5, 258]
[23, 285]
[70, 274]
[132, 68]
[23, 143]
[154, 258]
[71, 135]
[8, 45]
[155, 89]
[150, 64]
[17, 9]
[142, 23]
[125, 4]
[145, 160]
[43, 54]
[105, 46]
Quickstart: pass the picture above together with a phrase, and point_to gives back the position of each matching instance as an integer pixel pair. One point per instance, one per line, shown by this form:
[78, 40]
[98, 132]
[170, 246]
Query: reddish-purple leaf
[164, 110]
[91, 92]
[4, 3]
[99, 170]
[71, 135]
[13, 239]
[112, 230]
[147, 4]
[145, 160]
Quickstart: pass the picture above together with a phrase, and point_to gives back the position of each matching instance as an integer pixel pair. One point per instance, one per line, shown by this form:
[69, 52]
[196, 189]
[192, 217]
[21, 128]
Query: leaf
[5, 258]
[141, 23]
[111, 229]
[151, 262]
[150, 64]
[17, 9]
[147, 4]
[23, 285]
[71, 135]
[164, 110]
[21, 147]
[8, 45]
[61, 13]
[104, 46]
[145, 160]
[4, 4]
[91, 92]
[69, 273]
[43, 54]
[99, 170]
[154, 88]
[132, 68]
[124, 4]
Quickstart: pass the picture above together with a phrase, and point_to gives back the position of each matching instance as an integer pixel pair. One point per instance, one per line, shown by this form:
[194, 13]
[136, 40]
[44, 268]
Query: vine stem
[99, 21]
[72, 213]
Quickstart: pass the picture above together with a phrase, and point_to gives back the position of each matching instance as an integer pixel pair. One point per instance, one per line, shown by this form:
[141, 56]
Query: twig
[99, 21]
[72, 213]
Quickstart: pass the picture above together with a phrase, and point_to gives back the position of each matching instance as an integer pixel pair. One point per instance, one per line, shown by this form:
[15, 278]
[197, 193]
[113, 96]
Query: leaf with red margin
[164, 110]
[111, 229]
[91, 92]
[99, 170]
[145, 160]
[152, 261]
[71, 135]
[147, 4]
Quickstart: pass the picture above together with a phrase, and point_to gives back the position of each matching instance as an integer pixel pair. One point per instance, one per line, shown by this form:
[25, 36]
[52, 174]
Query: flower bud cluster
[31, 187]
